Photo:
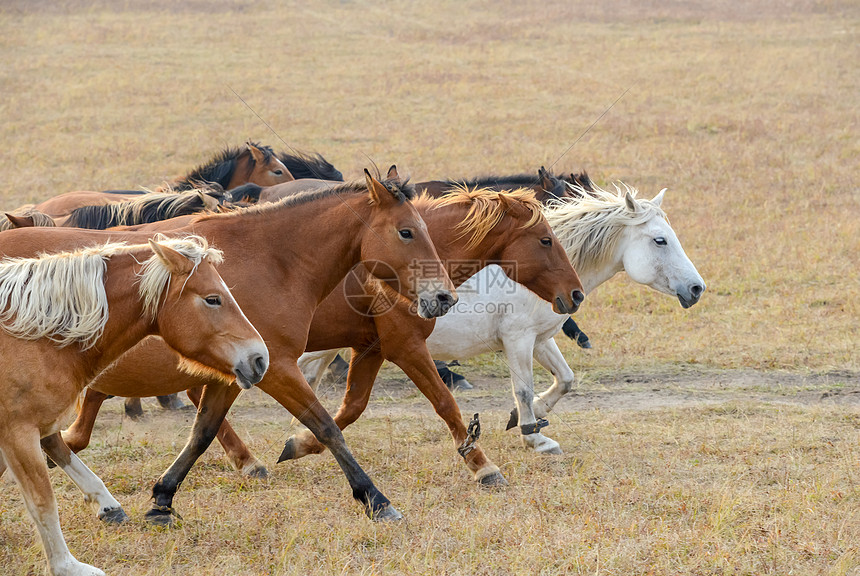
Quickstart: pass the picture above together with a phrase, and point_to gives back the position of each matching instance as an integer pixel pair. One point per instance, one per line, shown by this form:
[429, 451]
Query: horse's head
[397, 249]
[263, 166]
[541, 264]
[198, 317]
[652, 254]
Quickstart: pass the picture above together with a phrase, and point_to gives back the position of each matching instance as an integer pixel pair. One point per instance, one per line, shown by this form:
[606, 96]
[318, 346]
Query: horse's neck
[460, 260]
[599, 270]
[319, 241]
[127, 324]
[241, 172]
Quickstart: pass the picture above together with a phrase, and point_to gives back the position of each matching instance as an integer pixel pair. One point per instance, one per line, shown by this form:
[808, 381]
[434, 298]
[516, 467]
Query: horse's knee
[565, 384]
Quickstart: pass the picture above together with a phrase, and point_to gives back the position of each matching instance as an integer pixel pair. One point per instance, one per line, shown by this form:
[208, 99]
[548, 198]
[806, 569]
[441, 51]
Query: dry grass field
[723, 439]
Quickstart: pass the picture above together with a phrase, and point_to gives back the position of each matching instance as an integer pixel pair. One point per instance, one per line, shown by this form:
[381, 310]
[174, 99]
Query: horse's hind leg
[519, 354]
[133, 408]
[238, 453]
[170, 402]
[77, 436]
[95, 492]
[214, 404]
[24, 458]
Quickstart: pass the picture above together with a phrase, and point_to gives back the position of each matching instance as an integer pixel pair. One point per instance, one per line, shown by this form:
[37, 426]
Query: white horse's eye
[660, 241]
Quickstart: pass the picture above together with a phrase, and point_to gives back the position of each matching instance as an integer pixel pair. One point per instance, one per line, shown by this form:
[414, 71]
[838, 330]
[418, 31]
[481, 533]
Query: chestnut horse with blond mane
[71, 314]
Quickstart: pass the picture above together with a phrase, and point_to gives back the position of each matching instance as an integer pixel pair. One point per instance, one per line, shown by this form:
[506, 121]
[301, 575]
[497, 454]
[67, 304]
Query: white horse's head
[652, 254]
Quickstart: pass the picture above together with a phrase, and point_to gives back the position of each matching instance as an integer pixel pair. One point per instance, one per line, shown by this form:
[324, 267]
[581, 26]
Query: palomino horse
[281, 263]
[72, 314]
[229, 168]
[603, 233]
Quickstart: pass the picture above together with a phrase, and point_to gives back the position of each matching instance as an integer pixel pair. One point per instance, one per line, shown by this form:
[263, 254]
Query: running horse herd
[117, 294]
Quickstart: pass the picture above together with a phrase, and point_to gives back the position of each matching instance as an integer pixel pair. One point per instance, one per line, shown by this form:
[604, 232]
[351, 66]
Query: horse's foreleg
[238, 453]
[550, 357]
[77, 436]
[214, 404]
[286, 385]
[363, 368]
[414, 359]
[170, 402]
[24, 458]
[95, 492]
[519, 354]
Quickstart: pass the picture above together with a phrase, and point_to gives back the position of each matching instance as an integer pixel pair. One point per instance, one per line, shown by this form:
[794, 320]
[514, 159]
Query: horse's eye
[547, 241]
[406, 234]
[278, 172]
[214, 300]
[660, 241]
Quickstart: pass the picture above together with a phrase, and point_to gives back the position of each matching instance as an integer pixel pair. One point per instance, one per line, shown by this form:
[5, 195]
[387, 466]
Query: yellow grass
[747, 112]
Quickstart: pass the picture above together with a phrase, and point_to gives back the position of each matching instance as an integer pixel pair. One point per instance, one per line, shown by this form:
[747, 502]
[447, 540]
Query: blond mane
[486, 208]
[590, 226]
[40, 219]
[62, 296]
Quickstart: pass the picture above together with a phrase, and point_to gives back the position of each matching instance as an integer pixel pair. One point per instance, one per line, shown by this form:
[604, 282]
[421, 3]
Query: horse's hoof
[513, 420]
[172, 402]
[461, 384]
[256, 470]
[289, 451]
[51, 463]
[387, 514]
[494, 480]
[135, 413]
[159, 518]
[113, 516]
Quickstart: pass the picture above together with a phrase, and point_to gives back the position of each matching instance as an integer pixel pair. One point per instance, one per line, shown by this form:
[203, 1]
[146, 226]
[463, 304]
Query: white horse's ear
[631, 203]
[658, 199]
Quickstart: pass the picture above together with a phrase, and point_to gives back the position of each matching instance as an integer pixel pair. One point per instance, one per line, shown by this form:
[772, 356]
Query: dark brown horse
[281, 263]
[228, 169]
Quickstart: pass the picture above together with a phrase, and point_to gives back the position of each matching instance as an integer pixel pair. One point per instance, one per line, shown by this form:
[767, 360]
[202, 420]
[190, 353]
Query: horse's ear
[20, 221]
[175, 262]
[505, 201]
[658, 199]
[630, 201]
[209, 201]
[392, 173]
[256, 153]
[545, 179]
[378, 192]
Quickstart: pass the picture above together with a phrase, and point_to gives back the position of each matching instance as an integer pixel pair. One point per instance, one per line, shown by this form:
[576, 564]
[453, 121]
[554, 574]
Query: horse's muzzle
[562, 307]
[690, 294]
[250, 370]
[436, 303]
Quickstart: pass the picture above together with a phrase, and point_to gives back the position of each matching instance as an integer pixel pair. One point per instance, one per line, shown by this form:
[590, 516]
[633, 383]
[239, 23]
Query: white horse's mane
[62, 296]
[590, 226]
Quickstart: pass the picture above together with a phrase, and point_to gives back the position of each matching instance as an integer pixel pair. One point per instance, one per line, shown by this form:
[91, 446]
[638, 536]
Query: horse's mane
[515, 180]
[590, 226]
[305, 165]
[151, 207]
[401, 189]
[62, 296]
[220, 168]
[486, 208]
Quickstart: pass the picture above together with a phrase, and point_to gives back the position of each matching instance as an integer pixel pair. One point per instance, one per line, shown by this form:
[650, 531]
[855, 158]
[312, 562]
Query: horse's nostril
[259, 363]
[577, 296]
[696, 290]
[445, 298]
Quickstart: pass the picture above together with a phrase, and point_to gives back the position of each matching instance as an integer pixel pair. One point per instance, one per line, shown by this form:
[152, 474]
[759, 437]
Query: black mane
[145, 210]
[514, 181]
[302, 165]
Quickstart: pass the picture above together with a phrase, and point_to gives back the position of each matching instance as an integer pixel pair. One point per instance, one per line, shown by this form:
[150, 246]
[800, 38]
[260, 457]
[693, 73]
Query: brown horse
[228, 169]
[470, 228]
[282, 260]
[70, 315]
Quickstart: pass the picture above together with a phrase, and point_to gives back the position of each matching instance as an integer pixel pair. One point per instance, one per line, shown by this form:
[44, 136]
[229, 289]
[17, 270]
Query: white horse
[603, 233]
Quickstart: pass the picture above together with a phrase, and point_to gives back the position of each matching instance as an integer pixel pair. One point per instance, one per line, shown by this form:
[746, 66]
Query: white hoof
[72, 567]
[541, 444]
